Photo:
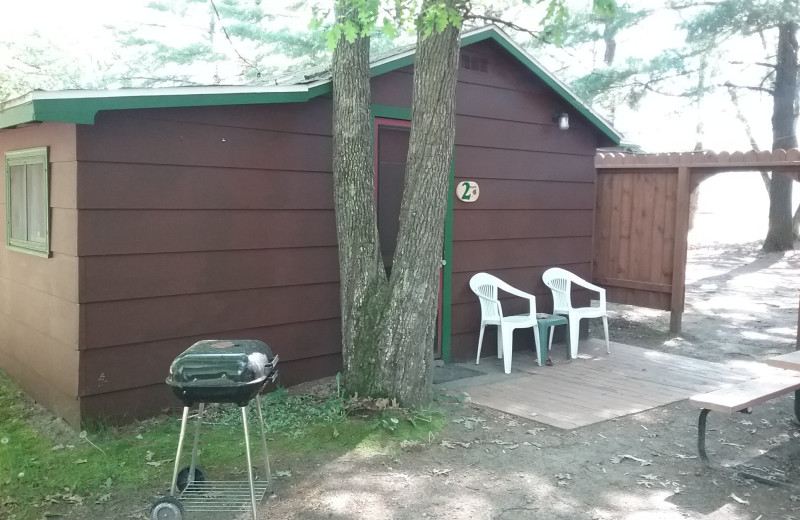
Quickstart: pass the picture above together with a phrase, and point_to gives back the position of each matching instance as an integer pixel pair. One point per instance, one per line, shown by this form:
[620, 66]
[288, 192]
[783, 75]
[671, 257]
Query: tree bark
[388, 326]
[363, 285]
[784, 135]
[409, 326]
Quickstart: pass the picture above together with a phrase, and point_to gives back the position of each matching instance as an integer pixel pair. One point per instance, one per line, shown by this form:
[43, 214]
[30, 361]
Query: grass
[45, 473]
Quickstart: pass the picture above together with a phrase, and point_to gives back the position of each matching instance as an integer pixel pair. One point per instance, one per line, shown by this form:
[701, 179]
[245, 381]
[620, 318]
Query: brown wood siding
[143, 401]
[108, 369]
[537, 192]
[39, 313]
[202, 223]
[150, 319]
[120, 232]
[133, 276]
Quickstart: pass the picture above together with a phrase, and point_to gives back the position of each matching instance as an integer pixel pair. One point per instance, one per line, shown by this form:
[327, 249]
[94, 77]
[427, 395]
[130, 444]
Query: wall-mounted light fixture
[562, 118]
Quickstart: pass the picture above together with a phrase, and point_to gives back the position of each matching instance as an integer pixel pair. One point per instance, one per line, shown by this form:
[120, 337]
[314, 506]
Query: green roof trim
[81, 106]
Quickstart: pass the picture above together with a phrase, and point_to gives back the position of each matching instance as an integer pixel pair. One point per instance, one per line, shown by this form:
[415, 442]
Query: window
[27, 201]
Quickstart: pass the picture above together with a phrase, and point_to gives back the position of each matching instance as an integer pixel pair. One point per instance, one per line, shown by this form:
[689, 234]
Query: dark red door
[391, 150]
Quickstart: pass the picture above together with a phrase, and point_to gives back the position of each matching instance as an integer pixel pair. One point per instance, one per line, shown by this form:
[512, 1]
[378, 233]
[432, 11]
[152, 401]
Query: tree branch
[228, 37]
[506, 23]
[760, 63]
[765, 90]
[677, 7]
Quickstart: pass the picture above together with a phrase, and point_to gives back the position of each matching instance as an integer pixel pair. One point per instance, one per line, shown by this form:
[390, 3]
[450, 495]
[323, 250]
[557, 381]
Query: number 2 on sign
[468, 191]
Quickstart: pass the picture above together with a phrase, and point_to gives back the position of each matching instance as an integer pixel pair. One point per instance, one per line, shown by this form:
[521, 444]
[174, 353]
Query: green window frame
[28, 201]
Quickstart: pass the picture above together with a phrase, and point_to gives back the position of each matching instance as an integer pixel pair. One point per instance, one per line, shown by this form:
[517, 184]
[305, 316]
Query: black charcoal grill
[229, 371]
[217, 371]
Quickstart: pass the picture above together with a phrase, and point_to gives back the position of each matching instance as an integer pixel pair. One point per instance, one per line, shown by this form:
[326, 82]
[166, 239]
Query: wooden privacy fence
[642, 219]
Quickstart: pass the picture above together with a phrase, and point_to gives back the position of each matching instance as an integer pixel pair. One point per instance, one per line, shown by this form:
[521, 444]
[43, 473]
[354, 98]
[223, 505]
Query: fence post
[681, 246]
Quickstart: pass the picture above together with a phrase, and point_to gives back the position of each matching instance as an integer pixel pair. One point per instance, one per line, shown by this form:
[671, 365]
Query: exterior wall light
[562, 118]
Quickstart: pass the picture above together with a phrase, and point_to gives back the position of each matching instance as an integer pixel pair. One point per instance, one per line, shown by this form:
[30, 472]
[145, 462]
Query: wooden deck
[596, 386]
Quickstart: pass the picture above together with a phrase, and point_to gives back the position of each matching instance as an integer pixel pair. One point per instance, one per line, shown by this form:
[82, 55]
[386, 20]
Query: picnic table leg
[797, 405]
[701, 434]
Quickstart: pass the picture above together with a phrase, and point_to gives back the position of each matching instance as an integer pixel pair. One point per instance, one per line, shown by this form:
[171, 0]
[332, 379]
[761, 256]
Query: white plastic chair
[560, 283]
[485, 286]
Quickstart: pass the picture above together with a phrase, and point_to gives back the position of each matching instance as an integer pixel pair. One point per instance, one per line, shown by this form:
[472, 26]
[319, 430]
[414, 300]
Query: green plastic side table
[551, 320]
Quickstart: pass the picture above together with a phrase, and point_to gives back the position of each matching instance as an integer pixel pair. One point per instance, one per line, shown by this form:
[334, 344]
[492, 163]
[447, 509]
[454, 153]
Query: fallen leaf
[620, 458]
[81, 461]
[740, 500]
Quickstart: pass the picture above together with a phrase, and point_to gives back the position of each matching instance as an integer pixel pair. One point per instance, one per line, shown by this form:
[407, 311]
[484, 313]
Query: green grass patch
[48, 471]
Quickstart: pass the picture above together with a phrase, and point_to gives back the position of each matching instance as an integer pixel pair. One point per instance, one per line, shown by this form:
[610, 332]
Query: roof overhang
[81, 106]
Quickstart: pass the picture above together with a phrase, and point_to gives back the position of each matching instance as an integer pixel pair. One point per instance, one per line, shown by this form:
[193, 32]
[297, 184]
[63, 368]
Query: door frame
[401, 116]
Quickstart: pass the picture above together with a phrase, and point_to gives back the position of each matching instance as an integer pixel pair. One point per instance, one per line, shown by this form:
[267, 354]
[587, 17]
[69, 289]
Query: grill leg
[701, 435]
[249, 463]
[264, 442]
[193, 464]
[180, 447]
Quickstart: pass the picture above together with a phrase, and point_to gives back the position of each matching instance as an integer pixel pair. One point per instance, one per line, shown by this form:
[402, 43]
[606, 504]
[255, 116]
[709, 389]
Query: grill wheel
[167, 508]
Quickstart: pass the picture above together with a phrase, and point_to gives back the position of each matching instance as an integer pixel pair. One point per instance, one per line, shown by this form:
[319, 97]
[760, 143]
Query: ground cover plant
[49, 470]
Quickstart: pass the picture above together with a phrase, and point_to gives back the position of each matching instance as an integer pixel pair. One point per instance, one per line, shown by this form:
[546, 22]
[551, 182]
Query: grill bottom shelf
[221, 495]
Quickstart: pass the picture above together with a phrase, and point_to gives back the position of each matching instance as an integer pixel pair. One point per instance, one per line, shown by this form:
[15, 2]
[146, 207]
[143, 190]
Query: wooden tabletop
[790, 361]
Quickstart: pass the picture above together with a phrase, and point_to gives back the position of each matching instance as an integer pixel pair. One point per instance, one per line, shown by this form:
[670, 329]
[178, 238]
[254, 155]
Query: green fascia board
[17, 115]
[82, 106]
[391, 112]
[391, 63]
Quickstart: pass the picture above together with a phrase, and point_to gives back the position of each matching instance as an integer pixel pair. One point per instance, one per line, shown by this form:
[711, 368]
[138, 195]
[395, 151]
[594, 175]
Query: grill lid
[223, 363]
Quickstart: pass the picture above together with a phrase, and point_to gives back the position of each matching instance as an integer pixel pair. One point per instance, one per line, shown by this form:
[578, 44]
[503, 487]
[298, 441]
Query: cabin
[142, 220]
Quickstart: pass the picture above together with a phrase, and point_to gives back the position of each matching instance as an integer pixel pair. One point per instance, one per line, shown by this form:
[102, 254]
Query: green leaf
[389, 29]
[333, 36]
[350, 31]
[604, 8]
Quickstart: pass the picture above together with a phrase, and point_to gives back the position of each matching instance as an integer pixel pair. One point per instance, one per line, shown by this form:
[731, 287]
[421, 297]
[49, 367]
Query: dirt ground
[741, 308]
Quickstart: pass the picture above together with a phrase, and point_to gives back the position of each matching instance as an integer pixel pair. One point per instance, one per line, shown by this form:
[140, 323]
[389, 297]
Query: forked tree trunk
[363, 285]
[784, 135]
[388, 326]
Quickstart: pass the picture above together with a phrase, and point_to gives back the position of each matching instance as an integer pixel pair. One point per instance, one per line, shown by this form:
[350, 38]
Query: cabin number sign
[468, 191]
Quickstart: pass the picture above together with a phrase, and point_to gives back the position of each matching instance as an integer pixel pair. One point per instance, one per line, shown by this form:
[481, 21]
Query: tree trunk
[363, 285]
[784, 135]
[409, 326]
[388, 326]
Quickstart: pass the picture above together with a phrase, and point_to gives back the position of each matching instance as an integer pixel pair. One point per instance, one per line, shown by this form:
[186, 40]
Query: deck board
[596, 386]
